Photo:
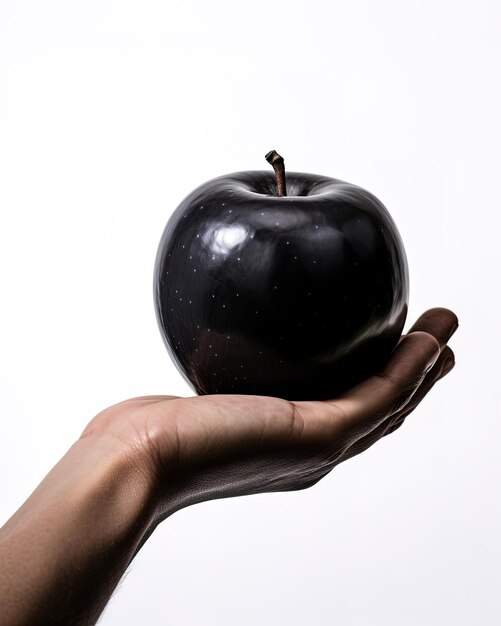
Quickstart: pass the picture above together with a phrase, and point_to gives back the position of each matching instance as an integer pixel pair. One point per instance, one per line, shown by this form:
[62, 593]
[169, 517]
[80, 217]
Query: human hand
[139, 461]
[214, 446]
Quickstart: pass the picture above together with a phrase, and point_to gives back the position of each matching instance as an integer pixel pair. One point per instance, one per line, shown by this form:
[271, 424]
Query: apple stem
[277, 162]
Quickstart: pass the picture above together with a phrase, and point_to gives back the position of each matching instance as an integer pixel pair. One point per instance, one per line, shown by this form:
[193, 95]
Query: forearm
[65, 550]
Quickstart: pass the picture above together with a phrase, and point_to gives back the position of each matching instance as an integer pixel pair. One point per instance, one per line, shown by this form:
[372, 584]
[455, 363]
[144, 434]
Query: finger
[439, 322]
[441, 368]
[368, 404]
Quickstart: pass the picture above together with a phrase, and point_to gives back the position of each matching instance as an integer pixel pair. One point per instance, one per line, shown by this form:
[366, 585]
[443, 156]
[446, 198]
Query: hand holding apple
[139, 461]
[295, 287]
[214, 446]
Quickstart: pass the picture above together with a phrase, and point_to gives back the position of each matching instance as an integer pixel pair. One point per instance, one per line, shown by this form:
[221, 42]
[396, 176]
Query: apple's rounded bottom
[300, 380]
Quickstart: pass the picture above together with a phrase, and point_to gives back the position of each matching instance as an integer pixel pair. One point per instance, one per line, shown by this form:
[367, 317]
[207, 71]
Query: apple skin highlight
[297, 296]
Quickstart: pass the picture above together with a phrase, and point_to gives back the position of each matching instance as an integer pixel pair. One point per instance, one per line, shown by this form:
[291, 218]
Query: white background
[110, 113]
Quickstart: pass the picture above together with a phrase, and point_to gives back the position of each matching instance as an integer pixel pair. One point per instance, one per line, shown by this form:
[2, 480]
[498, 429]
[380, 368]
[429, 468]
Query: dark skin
[137, 462]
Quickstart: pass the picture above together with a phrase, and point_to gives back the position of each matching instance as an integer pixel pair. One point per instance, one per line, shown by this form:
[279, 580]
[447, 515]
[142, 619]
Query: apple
[291, 285]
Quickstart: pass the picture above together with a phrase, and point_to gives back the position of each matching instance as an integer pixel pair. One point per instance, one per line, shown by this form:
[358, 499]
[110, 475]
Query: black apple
[298, 296]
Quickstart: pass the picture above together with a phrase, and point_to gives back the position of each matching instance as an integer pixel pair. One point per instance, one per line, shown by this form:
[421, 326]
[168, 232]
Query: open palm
[215, 446]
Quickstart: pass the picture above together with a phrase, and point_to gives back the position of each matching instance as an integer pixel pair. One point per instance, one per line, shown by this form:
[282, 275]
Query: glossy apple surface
[298, 297]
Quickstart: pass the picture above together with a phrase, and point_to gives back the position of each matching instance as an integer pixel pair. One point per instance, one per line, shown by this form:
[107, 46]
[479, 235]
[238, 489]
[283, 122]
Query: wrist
[65, 549]
[98, 485]
[142, 434]
[116, 478]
